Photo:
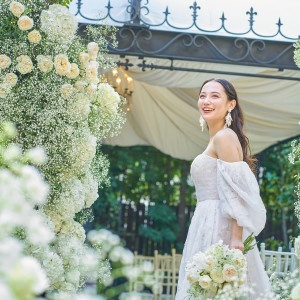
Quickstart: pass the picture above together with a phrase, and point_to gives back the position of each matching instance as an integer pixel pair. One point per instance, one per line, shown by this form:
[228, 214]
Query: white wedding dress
[224, 190]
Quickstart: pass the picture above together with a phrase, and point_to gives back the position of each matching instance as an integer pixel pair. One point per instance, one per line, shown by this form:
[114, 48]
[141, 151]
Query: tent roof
[164, 113]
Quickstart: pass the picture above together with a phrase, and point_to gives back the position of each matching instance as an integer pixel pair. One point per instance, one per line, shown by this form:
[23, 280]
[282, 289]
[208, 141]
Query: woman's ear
[232, 104]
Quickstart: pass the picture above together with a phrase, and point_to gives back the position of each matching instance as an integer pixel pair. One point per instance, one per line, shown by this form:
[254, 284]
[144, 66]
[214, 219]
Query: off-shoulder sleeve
[239, 194]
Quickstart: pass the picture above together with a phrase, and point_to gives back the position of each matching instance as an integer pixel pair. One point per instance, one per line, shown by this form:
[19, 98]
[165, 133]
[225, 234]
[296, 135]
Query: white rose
[205, 281]
[67, 90]
[25, 23]
[45, 63]
[74, 72]
[25, 64]
[210, 263]
[229, 272]
[16, 8]
[93, 56]
[80, 85]
[91, 89]
[34, 37]
[62, 65]
[11, 79]
[4, 89]
[5, 61]
[92, 71]
[84, 57]
[217, 275]
[93, 48]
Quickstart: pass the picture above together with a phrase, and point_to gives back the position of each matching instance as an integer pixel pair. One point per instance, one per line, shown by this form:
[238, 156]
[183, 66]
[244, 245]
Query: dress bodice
[204, 175]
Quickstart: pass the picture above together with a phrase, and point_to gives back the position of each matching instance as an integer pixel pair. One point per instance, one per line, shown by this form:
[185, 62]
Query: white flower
[25, 23]
[67, 90]
[192, 273]
[199, 260]
[36, 155]
[59, 24]
[45, 63]
[80, 107]
[90, 188]
[205, 281]
[27, 271]
[91, 89]
[296, 292]
[4, 89]
[91, 71]
[34, 186]
[34, 37]
[16, 8]
[297, 247]
[74, 72]
[61, 64]
[216, 275]
[12, 153]
[93, 48]
[80, 85]
[210, 263]
[73, 228]
[53, 266]
[11, 79]
[107, 97]
[73, 277]
[84, 57]
[25, 64]
[229, 272]
[5, 61]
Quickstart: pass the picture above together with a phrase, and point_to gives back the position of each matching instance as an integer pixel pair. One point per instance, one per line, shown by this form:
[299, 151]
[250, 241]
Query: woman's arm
[227, 147]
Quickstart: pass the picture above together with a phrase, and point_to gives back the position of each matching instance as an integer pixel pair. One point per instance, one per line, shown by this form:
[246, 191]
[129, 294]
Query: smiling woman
[229, 206]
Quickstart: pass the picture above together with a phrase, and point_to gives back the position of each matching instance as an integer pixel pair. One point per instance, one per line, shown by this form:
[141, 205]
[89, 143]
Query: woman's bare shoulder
[227, 145]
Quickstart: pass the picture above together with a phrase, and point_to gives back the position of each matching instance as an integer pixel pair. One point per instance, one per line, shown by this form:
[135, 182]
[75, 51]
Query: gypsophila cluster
[294, 158]
[50, 88]
[216, 271]
[297, 53]
[121, 260]
[22, 189]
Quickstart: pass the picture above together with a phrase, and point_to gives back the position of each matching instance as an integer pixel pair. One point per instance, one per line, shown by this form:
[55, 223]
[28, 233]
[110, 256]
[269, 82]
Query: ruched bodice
[204, 175]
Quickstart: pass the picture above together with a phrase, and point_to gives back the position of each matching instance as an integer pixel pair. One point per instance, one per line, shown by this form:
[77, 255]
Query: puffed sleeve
[239, 194]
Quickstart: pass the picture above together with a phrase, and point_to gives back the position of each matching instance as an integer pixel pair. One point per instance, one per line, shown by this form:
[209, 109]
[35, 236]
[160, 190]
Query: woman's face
[213, 102]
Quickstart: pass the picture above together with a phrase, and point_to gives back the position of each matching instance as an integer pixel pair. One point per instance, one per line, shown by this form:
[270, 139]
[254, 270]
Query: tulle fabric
[224, 190]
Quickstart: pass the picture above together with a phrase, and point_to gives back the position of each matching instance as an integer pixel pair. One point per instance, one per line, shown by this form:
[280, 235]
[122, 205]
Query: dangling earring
[201, 120]
[228, 118]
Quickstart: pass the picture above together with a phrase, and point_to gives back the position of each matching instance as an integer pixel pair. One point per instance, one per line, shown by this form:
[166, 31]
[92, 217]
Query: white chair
[284, 261]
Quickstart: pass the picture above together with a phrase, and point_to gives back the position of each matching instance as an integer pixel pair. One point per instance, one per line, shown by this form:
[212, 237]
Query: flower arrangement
[22, 188]
[217, 269]
[51, 89]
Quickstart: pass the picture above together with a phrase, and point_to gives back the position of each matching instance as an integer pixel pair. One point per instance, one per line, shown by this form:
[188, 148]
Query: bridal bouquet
[214, 270]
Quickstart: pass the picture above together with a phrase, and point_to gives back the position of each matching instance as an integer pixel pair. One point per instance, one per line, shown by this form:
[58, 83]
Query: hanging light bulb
[118, 80]
[115, 72]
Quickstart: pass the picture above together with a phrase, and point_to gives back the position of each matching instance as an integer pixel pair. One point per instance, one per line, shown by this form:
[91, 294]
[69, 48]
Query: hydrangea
[59, 23]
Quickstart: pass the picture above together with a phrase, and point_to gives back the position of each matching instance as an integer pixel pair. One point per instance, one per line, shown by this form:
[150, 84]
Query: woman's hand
[236, 243]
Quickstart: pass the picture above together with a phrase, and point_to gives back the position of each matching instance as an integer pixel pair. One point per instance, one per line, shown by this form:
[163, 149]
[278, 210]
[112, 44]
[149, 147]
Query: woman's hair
[237, 121]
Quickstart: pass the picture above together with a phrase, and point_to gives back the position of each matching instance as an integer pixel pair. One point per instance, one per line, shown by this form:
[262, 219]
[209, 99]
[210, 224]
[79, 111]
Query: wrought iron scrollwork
[136, 9]
[240, 50]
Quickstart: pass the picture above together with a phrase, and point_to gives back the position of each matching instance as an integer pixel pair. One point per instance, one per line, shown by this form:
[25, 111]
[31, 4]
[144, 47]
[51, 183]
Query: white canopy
[164, 109]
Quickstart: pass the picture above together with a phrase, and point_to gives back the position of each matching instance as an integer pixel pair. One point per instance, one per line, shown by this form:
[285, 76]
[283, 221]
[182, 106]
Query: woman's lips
[208, 111]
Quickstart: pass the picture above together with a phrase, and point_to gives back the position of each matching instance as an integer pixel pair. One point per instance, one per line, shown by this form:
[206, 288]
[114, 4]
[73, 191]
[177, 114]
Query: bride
[229, 206]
